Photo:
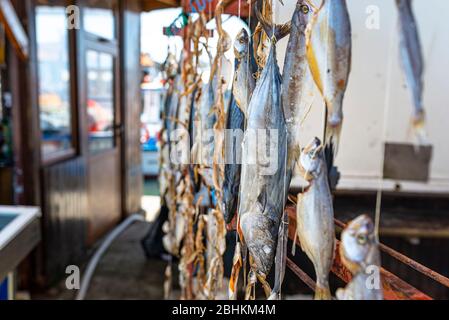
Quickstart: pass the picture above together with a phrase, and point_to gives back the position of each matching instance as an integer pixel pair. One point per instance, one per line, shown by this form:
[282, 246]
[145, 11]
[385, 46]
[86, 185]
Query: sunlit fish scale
[262, 181]
[412, 62]
[360, 254]
[315, 217]
[329, 55]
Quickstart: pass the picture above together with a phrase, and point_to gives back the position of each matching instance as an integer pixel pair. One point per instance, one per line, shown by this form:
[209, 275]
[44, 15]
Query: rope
[384, 138]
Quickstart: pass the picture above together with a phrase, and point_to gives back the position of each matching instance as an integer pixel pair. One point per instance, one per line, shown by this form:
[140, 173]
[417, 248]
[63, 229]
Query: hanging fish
[202, 150]
[315, 217]
[360, 254]
[242, 89]
[329, 55]
[244, 82]
[297, 83]
[263, 178]
[412, 64]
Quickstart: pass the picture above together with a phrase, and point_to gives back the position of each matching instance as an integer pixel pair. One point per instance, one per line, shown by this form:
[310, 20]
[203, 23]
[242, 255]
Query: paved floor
[122, 273]
[130, 275]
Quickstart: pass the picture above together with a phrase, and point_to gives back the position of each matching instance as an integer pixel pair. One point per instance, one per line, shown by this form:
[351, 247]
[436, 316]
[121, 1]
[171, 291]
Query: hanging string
[238, 12]
[384, 135]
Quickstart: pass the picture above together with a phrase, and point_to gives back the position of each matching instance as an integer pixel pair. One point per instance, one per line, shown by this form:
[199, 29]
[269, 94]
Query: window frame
[113, 52]
[100, 44]
[69, 153]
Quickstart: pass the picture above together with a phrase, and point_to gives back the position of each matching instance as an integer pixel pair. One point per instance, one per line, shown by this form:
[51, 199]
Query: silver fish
[297, 83]
[329, 54]
[244, 82]
[360, 254]
[203, 147]
[315, 217]
[412, 62]
[262, 181]
[242, 89]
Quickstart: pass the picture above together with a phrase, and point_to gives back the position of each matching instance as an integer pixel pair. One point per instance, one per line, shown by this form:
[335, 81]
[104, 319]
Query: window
[98, 18]
[55, 111]
[100, 100]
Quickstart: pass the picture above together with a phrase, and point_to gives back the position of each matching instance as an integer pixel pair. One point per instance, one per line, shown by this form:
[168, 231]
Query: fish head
[358, 240]
[302, 14]
[171, 65]
[241, 43]
[230, 201]
[260, 233]
[311, 159]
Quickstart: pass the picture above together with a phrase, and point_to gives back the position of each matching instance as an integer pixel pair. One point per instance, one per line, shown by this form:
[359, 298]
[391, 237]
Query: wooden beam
[208, 7]
[148, 5]
[14, 29]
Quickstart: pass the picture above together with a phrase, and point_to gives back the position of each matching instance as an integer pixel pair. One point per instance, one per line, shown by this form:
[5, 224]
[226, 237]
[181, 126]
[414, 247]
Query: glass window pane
[100, 100]
[98, 18]
[53, 79]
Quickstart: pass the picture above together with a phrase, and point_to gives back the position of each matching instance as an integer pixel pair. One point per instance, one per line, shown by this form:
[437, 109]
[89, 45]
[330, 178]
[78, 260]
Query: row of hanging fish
[242, 151]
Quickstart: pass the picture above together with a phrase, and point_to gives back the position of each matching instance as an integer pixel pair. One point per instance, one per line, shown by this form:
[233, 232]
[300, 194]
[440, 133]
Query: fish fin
[322, 293]
[278, 31]
[265, 285]
[333, 136]
[262, 199]
[280, 259]
[237, 265]
[194, 153]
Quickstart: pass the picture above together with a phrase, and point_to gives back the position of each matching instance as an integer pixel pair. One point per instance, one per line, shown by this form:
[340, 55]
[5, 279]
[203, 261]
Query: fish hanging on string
[329, 49]
[412, 64]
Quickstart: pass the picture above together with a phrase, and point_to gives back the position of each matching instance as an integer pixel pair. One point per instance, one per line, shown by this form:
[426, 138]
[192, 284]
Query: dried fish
[360, 254]
[262, 180]
[244, 82]
[297, 83]
[329, 55]
[242, 89]
[412, 64]
[315, 217]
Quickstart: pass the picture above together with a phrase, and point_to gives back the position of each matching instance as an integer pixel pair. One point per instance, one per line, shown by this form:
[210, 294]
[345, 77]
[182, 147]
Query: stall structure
[70, 112]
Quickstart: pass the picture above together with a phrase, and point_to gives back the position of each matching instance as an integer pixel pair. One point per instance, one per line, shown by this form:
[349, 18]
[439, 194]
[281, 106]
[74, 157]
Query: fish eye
[362, 239]
[305, 9]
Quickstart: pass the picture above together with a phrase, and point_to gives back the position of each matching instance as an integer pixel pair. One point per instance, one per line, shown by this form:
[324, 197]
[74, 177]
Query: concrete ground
[125, 273]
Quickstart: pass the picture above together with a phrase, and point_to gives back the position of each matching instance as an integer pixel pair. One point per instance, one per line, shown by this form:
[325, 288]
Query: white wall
[373, 84]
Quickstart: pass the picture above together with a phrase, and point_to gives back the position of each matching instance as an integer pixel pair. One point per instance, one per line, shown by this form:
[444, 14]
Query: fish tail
[332, 136]
[419, 127]
[237, 265]
[272, 30]
[322, 292]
